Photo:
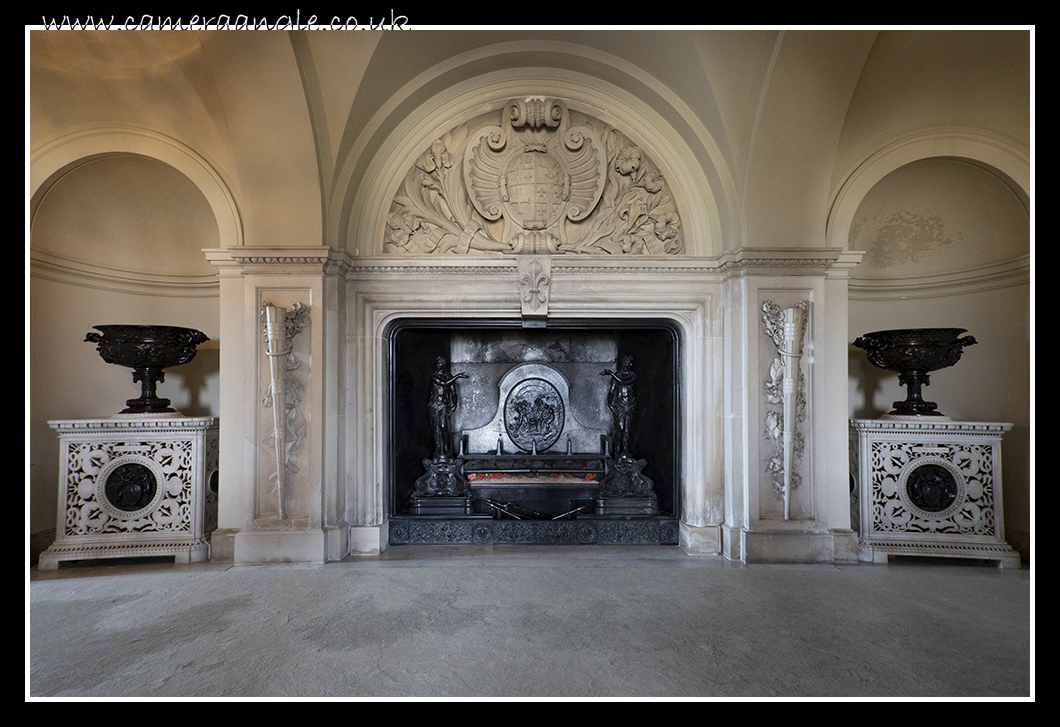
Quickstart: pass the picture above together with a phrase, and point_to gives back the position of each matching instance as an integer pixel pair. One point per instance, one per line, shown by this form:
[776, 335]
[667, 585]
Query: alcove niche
[545, 487]
[947, 242]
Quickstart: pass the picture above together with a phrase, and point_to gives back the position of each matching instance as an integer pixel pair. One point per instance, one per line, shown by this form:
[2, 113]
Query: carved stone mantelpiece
[536, 178]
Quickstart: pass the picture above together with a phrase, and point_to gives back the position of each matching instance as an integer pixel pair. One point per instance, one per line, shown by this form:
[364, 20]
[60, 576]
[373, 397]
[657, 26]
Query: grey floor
[540, 622]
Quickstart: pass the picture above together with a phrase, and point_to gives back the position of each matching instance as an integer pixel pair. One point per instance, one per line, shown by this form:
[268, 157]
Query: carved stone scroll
[280, 327]
[539, 180]
[787, 328]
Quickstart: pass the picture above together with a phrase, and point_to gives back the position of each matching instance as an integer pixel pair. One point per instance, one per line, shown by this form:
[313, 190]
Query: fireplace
[469, 246]
[532, 450]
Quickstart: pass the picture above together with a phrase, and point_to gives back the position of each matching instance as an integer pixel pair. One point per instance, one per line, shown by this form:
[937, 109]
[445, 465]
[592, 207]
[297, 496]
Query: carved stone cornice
[784, 261]
[929, 425]
[318, 256]
[134, 423]
[376, 266]
[986, 277]
[49, 266]
[274, 260]
[761, 261]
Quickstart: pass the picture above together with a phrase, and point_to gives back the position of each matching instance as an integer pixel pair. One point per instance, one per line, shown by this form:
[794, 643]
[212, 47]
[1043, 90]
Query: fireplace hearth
[566, 434]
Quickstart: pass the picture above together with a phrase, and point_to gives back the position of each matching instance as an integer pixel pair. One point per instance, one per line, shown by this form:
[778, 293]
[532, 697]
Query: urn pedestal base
[928, 487]
[134, 487]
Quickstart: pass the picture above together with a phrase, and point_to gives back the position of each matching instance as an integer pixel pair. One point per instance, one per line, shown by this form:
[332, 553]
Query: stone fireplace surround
[338, 486]
[486, 204]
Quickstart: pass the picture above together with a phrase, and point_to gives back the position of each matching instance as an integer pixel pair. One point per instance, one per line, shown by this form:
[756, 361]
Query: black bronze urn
[913, 353]
[147, 350]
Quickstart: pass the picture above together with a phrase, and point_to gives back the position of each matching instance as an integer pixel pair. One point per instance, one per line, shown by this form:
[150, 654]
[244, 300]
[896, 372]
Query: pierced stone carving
[785, 386]
[929, 487]
[133, 488]
[951, 494]
[100, 498]
[545, 180]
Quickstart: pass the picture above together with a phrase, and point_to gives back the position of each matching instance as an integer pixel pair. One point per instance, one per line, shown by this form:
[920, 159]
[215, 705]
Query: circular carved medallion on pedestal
[931, 487]
[129, 487]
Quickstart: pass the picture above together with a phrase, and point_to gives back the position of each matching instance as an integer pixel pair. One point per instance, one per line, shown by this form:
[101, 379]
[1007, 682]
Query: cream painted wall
[799, 125]
[127, 213]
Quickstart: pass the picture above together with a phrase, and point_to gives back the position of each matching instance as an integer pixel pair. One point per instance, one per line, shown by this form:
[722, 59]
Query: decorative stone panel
[134, 487]
[929, 487]
[534, 178]
[487, 531]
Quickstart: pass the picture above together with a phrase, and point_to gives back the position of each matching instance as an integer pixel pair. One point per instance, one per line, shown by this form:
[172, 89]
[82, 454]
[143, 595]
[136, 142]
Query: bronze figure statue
[621, 402]
[441, 405]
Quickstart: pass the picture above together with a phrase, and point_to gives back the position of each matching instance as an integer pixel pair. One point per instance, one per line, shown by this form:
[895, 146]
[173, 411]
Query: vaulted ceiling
[294, 121]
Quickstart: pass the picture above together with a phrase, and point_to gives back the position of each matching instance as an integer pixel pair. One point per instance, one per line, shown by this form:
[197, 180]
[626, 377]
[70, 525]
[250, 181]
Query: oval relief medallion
[534, 414]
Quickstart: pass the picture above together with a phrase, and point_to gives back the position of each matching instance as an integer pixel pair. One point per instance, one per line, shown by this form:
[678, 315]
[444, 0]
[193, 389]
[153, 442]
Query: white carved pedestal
[928, 486]
[135, 487]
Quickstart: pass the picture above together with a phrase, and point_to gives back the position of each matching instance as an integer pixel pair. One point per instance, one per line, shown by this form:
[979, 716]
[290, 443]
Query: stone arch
[1007, 161]
[58, 158]
[704, 192]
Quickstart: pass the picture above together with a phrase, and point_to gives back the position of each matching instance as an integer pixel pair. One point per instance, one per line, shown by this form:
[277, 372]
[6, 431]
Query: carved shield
[535, 188]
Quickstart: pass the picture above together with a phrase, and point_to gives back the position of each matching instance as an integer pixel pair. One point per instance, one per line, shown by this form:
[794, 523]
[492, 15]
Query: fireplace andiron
[147, 350]
[913, 353]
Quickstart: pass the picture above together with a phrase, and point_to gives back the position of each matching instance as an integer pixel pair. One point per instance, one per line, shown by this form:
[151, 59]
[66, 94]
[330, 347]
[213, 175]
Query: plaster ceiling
[292, 120]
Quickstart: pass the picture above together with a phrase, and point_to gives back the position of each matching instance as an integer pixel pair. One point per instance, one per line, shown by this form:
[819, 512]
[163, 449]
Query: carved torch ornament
[787, 328]
[541, 181]
[280, 326]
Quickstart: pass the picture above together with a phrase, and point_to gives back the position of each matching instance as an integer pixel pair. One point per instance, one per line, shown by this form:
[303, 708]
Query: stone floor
[540, 622]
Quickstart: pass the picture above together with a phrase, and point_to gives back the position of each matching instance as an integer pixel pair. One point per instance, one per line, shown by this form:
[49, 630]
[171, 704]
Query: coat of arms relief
[545, 180]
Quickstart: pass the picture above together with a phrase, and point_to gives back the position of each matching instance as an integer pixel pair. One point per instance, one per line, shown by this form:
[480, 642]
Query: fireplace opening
[568, 433]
